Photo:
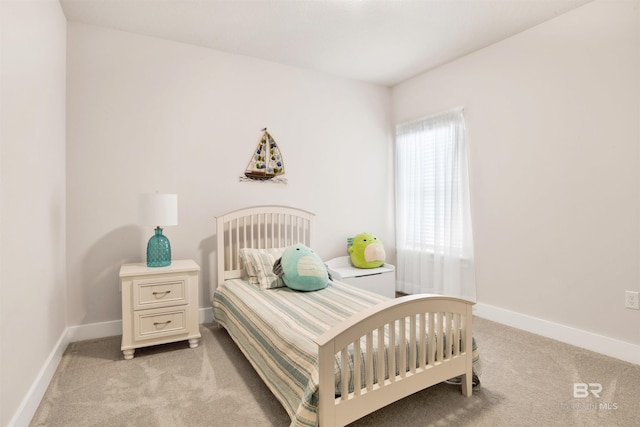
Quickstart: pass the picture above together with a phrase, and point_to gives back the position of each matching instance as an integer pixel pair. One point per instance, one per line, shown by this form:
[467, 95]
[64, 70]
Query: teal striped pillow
[259, 266]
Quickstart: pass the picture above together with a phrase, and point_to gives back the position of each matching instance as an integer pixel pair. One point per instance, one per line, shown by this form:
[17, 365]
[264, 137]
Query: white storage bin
[381, 280]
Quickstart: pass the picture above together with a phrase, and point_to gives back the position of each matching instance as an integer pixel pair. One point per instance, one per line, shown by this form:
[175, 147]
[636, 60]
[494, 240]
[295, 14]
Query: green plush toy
[301, 269]
[367, 251]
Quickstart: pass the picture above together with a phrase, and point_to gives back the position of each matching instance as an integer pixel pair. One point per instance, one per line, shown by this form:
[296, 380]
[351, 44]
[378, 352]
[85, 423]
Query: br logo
[582, 390]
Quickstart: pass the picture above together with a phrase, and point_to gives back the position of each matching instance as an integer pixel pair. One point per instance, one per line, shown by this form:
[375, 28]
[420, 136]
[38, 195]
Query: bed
[334, 355]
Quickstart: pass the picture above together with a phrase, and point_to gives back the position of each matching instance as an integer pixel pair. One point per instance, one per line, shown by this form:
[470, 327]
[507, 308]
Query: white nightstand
[381, 280]
[159, 305]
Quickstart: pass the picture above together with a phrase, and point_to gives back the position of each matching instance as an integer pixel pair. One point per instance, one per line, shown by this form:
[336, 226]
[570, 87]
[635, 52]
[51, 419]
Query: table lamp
[158, 210]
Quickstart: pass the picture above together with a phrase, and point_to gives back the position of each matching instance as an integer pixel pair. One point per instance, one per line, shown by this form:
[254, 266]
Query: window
[433, 204]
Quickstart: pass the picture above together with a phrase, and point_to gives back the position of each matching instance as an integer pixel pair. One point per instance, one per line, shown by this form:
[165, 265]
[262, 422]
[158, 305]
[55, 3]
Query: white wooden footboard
[429, 318]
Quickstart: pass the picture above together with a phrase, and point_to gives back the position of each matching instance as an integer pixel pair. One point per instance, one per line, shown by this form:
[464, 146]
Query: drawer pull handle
[161, 323]
[162, 293]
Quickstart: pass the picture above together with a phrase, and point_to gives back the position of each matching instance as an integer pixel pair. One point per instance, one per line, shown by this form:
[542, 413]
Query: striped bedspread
[275, 328]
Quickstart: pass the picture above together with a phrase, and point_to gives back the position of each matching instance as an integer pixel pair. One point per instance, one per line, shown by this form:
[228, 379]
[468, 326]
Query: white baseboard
[94, 331]
[206, 315]
[598, 343]
[32, 400]
[30, 403]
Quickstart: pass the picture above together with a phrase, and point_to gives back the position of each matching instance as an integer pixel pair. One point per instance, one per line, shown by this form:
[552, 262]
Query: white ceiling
[378, 41]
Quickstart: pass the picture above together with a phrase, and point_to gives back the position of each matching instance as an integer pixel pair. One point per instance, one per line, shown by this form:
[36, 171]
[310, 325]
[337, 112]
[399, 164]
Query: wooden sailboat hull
[258, 176]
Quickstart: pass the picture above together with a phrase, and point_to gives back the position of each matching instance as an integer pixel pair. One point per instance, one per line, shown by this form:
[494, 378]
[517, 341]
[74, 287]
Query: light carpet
[527, 380]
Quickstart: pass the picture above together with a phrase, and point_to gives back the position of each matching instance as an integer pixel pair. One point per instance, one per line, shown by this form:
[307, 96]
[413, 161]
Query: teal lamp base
[158, 250]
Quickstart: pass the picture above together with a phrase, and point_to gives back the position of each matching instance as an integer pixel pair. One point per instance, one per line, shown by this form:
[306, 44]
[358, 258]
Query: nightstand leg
[128, 354]
[193, 343]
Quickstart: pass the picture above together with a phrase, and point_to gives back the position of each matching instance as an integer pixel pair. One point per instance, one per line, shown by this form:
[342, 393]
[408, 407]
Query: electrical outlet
[631, 300]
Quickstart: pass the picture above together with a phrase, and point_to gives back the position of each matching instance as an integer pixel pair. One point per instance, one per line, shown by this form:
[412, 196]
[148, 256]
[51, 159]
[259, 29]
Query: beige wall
[32, 195]
[149, 115]
[553, 121]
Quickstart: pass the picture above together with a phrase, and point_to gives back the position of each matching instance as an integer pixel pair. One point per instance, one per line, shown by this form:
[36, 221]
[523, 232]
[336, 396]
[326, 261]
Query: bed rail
[428, 318]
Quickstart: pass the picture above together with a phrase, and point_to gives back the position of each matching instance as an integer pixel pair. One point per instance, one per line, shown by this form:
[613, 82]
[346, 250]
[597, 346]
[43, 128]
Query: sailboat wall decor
[266, 162]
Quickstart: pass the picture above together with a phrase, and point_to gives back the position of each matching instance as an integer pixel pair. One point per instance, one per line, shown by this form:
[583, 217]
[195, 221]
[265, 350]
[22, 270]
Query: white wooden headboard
[258, 227]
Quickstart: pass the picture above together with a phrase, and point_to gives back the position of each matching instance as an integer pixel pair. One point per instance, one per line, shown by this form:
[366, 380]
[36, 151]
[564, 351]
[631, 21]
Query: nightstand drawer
[160, 292]
[158, 323]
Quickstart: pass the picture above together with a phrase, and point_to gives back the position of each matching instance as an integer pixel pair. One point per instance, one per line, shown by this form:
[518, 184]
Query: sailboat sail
[266, 161]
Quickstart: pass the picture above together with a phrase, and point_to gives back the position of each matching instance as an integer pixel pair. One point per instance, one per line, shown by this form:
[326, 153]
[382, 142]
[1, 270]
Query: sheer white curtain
[434, 236]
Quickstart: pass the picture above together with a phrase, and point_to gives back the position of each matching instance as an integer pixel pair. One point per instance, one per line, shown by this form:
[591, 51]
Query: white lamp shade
[158, 209]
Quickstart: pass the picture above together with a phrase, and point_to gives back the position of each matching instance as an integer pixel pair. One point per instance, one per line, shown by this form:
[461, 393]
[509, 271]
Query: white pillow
[259, 266]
